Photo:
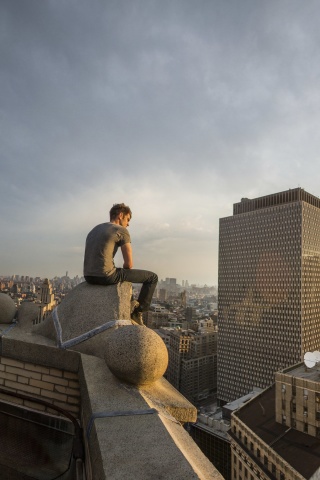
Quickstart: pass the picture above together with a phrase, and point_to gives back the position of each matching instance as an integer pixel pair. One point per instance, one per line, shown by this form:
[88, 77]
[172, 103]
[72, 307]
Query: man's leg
[148, 279]
[149, 282]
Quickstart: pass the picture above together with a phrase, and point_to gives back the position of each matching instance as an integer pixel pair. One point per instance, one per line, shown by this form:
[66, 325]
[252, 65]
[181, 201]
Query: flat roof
[281, 198]
[301, 371]
[300, 450]
[235, 404]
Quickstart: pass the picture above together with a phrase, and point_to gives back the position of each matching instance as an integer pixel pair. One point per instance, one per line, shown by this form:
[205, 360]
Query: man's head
[120, 214]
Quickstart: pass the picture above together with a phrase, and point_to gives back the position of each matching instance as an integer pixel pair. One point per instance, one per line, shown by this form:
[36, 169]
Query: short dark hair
[119, 208]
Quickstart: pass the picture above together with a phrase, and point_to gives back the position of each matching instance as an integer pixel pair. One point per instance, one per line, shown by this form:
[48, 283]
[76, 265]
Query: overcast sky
[177, 108]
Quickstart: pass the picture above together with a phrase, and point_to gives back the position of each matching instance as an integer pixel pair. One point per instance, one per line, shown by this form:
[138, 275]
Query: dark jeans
[148, 279]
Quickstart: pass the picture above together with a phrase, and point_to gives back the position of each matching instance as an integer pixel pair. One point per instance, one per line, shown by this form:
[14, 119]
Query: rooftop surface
[301, 371]
[300, 450]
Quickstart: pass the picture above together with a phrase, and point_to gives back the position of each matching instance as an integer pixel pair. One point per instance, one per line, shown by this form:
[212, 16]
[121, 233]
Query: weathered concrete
[36, 349]
[163, 396]
[27, 313]
[136, 354]
[85, 308]
[7, 308]
[135, 446]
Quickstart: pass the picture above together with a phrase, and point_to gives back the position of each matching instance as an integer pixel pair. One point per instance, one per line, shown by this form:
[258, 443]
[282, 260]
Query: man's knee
[154, 278]
[151, 277]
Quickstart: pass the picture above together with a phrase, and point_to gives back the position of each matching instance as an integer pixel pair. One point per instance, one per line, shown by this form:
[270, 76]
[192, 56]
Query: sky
[178, 108]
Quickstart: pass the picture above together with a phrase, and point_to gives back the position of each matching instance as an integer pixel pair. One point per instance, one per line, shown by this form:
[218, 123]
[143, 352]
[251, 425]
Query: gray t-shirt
[101, 246]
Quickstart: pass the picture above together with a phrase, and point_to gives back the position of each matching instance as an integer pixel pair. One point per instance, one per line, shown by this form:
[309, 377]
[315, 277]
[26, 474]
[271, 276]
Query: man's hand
[127, 255]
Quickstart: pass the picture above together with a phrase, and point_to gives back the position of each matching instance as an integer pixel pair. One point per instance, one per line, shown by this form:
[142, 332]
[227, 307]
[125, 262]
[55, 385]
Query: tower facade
[269, 295]
[45, 300]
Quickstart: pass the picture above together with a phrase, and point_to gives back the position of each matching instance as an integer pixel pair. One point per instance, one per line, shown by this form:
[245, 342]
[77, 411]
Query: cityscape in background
[236, 350]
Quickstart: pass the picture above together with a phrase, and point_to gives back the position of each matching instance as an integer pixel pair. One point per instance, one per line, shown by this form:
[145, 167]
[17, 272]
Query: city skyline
[161, 282]
[177, 109]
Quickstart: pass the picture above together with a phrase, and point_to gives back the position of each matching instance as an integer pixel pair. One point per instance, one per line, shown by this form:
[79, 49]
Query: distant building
[274, 435]
[298, 398]
[162, 294]
[183, 299]
[210, 433]
[191, 314]
[45, 300]
[155, 319]
[269, 283]
[192, 365]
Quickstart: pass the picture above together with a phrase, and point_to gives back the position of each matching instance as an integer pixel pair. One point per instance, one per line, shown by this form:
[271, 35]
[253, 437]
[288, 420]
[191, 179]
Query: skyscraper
[269, 295]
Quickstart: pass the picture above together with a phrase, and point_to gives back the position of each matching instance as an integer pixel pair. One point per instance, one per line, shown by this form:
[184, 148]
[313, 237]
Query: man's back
[101, 246]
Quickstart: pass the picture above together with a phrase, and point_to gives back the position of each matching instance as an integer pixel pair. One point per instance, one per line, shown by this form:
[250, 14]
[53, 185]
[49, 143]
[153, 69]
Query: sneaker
[133, 305]
[136, 316]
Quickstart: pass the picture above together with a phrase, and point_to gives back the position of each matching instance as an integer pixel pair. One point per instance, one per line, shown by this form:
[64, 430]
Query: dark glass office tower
[269, 289]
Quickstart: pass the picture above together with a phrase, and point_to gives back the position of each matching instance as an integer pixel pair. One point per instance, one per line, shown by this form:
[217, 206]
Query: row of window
[242, 466]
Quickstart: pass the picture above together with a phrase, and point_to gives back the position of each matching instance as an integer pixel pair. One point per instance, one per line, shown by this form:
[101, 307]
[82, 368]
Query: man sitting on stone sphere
[102, 244]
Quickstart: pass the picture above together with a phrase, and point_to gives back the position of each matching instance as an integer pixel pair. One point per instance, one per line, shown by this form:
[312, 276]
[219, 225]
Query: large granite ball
[7, 308]
[136, 354]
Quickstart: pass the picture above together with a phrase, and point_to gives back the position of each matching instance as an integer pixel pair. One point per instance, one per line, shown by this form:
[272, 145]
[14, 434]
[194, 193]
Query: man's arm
[127, 255]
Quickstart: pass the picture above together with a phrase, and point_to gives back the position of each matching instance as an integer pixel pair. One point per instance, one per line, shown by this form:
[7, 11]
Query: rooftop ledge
[129, 431]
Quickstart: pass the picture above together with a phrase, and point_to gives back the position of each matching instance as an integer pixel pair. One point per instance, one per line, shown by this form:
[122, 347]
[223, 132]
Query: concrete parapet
[36, 349]
[132, 435]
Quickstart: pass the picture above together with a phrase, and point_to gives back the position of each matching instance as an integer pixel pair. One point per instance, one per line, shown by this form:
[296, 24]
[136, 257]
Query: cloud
[175, 108]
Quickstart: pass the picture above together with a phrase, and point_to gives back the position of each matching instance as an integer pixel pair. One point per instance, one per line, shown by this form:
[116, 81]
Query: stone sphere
[136, 354]
[7, 308]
